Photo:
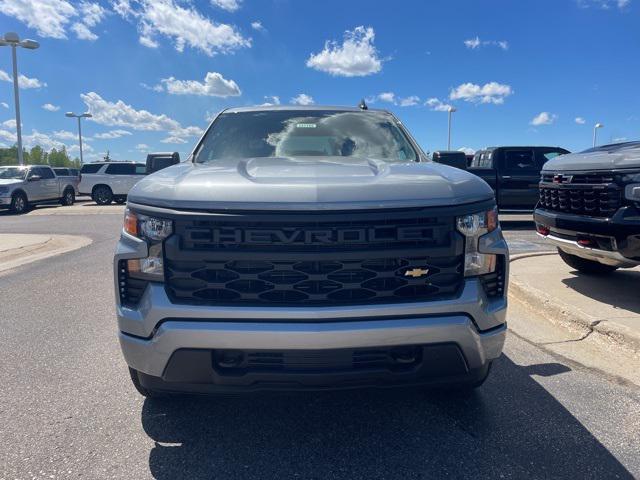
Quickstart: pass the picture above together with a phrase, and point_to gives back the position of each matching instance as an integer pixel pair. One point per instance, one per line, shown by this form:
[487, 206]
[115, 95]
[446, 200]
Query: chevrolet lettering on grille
[319, 236]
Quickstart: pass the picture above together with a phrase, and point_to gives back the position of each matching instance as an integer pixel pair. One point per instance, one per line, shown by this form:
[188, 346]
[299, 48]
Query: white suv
[109, 181]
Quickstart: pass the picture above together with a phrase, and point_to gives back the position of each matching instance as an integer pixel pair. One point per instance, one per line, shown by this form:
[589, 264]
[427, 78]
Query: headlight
[153, 230]
[473, 226]
[632, 186]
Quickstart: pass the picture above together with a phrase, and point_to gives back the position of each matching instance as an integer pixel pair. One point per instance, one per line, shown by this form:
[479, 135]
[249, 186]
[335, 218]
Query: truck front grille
[597, 200]
[286, 260]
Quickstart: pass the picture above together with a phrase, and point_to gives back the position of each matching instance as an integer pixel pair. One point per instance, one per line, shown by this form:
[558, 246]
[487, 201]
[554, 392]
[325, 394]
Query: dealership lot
[68, 409]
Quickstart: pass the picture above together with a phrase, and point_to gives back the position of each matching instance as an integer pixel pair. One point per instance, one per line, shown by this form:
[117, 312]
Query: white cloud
[111, 134]
[8, 136]
[467, 150]
[143, 147]
[4, 104]
[83, 32]
[47, 142]
[64, 135]
[271, 100]
[474, 43]
[302, 99]
[10, 124]
[604, 4]
[409, 101]
[437, 105]
[155, 88]
[543, 118]
[228, 5]
[355, 57]
[491, 92]
[184, 24]
[24, 82]
[389, 97]
[51, 107]
[50, 18]
[173, 139]
[214, 85]
[119, 114]
[257, 25]
[580, 120]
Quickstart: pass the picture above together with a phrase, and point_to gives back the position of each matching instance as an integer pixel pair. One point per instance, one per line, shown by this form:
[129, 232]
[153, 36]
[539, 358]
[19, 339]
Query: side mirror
[34, 178]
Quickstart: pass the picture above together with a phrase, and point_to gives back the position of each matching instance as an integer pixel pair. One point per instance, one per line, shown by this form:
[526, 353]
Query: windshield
[12, 172]
[301, 133]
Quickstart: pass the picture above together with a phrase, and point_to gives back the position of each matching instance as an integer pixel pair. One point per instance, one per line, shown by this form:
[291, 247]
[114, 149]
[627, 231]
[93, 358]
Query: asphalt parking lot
[68, 410]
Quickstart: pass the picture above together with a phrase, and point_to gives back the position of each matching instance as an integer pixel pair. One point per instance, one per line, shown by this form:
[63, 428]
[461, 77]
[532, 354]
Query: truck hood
[616, 157]
[10, 181]
[308, 183]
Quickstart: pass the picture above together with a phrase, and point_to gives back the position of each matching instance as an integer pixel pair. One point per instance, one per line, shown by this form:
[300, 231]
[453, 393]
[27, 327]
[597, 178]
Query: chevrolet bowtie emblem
[416, 272]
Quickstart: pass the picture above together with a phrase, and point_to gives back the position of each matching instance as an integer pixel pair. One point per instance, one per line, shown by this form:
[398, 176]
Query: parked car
[309, 247]
[71, 174]
[24, 186]
[159, 160]
[109, 181]
[513, 173]
[590, 207]
[452, 158]
[66, 172]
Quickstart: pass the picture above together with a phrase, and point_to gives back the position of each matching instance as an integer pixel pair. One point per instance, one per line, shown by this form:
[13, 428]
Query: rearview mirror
[158, 161]
[34, 178]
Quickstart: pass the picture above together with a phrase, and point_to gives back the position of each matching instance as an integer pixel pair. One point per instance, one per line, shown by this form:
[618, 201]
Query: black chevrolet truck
[589, 207]
[513, 173]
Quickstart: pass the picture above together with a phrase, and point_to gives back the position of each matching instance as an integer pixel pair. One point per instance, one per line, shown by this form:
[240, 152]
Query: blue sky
[153, 72]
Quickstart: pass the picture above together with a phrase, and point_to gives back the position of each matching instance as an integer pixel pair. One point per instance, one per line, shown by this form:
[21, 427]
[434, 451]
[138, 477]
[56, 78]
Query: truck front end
[217, 294]
[590, 207]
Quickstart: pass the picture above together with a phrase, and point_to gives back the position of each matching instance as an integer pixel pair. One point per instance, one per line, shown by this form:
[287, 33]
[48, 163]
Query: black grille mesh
[130, 289]
[199, 269]
[596, 202]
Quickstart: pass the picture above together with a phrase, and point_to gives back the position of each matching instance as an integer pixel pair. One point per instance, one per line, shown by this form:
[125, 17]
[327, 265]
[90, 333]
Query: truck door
[49, 183]
[518, 177]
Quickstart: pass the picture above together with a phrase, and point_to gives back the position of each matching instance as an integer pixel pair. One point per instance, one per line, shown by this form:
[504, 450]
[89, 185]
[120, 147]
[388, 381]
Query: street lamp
[82, 115]
[451, 110]
[12, 40]
[595, 132]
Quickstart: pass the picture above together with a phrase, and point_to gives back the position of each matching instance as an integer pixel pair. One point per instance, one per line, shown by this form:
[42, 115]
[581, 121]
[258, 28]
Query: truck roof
[302, 108]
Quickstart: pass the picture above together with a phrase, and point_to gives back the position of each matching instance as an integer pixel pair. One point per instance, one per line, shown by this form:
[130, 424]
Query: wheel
[68, 198]
[102, 195]
[120, 200]
[19, 203]
[583, 265]
[145, 392]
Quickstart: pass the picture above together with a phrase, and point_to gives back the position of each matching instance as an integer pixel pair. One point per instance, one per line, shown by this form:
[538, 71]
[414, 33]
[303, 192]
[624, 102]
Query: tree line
[38, 156]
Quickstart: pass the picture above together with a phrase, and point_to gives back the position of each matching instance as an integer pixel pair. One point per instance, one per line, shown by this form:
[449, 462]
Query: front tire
[68, 198]
[145, 392]
[102, 195]
[589, 267]
[19, 203]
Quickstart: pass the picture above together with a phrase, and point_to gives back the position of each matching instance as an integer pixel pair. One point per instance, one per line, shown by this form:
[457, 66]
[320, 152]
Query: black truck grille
[287, 260]
[592, 200]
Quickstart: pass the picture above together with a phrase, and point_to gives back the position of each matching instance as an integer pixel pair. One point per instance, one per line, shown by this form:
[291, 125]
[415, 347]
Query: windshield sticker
[306, 125]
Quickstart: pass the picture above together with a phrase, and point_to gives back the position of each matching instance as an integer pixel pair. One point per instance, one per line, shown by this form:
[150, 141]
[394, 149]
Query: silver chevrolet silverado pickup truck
[23, 186]
[309, 248]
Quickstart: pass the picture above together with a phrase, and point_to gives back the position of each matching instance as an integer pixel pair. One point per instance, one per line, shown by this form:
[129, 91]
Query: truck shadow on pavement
[511, 427]
[620, 289]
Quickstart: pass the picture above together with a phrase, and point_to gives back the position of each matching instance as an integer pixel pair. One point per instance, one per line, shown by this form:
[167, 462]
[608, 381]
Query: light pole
[595, 132]
[12, 40]
[451, 110]
[82, 115]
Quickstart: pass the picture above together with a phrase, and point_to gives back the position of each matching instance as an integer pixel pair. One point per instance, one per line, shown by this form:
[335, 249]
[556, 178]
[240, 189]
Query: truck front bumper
[180, 347]
[611, 241]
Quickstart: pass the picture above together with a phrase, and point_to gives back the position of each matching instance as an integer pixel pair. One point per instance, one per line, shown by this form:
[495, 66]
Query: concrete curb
[571, 316]
[44, 246]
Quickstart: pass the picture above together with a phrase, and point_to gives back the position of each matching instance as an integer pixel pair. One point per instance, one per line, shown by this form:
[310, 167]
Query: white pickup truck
[23, 186]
